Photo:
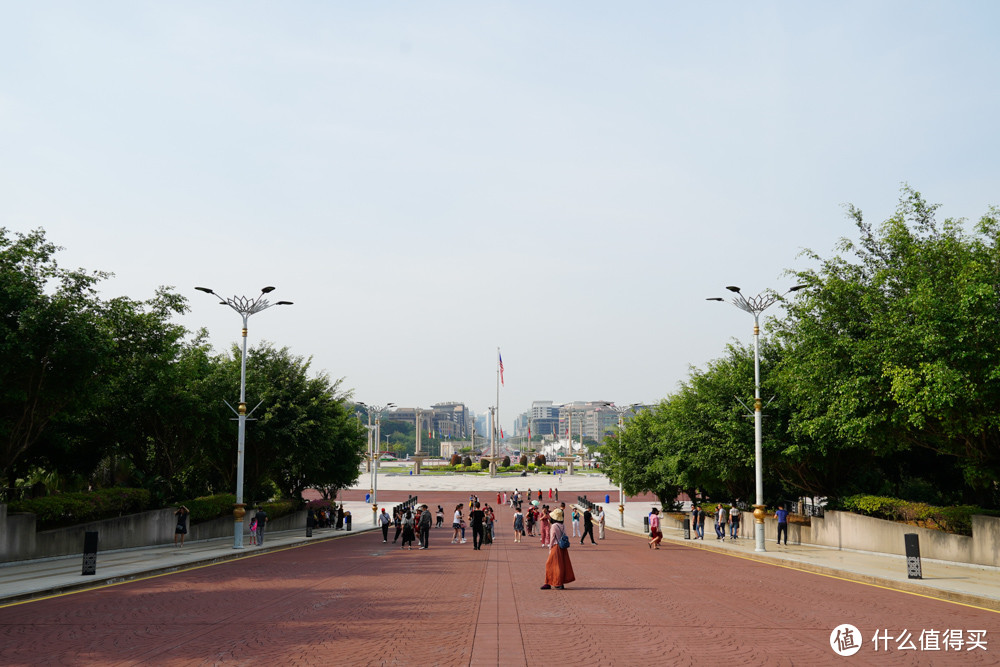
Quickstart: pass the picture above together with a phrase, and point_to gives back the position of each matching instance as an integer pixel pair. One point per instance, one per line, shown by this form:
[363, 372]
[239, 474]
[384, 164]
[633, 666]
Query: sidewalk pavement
[974, 585]
[25, 580]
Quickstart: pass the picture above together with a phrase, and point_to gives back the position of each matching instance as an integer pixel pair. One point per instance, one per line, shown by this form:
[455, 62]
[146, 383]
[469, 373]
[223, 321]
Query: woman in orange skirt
[558, 568]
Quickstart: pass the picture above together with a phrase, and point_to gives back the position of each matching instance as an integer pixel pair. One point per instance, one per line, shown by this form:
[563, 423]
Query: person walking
[439, 515]
[384, 521]
[720, 522]
[261, 517]
[550, 493]
[425, 527]
[477, 517]
[181, 529]
[253, 531]
[558, 568]
[488, 524]
[408, 535]
[518, 526]
[701, 523]
[576, 522]
[600, 522]
[457, 523]
[397, 521]
[655, 535]
[588, 526]
[734, 521]
[782, 516]
[546, 523]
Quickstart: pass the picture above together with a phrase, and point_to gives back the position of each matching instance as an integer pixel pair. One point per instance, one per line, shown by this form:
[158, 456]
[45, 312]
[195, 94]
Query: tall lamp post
[377, 410]
[622, 410]
[245, 307]
[755, 305]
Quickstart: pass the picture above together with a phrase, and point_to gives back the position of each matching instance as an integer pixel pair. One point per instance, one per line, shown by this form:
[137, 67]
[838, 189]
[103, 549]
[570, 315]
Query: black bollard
[912, 544]
[687, 529]
[90, 552]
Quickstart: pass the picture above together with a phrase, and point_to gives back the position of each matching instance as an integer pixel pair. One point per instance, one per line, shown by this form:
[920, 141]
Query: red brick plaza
[353, 600]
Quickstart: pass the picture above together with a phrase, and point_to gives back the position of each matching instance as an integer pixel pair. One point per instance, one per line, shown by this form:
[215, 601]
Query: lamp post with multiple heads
[622, 410]
[377, 410]
[755, 305]
[245, 307]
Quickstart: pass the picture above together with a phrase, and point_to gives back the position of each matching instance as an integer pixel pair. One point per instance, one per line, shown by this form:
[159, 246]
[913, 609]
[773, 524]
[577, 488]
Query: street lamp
[245, 307]
[621, 410]
[377, 410]
[755, 305]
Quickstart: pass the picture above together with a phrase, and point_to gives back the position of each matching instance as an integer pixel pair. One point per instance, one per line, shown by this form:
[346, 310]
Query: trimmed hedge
[68, 509]
[956, 519]
[207, 508]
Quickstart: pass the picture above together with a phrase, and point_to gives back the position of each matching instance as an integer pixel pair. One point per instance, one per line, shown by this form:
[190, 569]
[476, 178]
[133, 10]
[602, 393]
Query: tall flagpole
[496, 421]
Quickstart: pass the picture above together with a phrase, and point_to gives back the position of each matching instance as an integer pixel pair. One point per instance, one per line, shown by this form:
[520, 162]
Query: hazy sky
[429, 181]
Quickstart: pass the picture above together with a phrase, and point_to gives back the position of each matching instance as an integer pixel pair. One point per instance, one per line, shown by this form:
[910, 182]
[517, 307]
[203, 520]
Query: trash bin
[645, 522]
[347, 520]
[607, 498]
[90, 552]
[309, 531]
[687, 529]
[368, 497]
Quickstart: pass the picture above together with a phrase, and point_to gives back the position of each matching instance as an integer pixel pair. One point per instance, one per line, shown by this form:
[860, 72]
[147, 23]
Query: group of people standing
[409, 525]
[722, 517]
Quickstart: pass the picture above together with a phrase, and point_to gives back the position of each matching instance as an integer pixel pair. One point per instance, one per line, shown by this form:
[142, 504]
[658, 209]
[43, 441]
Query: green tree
[306, 433]
[893, 351]
[51, 352]
[150, 414]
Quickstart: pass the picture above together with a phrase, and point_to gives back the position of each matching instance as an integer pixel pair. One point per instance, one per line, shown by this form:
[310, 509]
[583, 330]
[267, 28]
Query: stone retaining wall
[20, 541]
[845, 530]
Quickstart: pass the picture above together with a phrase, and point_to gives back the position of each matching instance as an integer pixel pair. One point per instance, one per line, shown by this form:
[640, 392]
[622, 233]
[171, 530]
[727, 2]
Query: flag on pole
[500, 358]
[501, 428]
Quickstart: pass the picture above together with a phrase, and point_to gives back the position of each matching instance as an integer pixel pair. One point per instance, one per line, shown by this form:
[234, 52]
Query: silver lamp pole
[376, 410]
[621, 410]
[245, 307]
[756, 305]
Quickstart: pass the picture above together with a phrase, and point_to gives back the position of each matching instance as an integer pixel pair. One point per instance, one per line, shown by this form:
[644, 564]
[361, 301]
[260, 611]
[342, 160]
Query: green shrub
[956, 519]
[207, 508]
[279, 508]
[455, 459]
[506, 462]
[467, 461]
[523, 460]
[68, 509]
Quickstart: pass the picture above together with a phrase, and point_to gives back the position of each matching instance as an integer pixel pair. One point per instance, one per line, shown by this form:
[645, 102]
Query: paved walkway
[348, 598]
[968, 584]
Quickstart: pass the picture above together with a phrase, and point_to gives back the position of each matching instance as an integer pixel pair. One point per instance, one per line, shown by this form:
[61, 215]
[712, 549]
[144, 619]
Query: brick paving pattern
[356, 601]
